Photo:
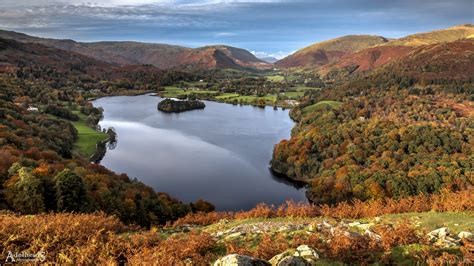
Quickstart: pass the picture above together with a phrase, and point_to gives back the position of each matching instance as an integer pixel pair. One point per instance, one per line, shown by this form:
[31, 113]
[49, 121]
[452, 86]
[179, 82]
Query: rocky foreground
[174, 106]
[427, 238]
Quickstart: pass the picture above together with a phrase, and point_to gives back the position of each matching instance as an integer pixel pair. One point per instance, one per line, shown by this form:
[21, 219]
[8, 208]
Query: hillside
[408, 232]
[17, 54]
[322, 53]
[438, 36]
[445, 60]
[397, 124]
[163, 56]
[377, 56]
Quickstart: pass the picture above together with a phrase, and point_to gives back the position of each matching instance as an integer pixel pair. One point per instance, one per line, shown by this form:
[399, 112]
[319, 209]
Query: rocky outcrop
[173, 106]
[442, 237]
[302, 255]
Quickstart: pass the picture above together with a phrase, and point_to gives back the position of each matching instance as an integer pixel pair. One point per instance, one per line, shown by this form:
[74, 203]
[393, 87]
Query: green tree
[70, 191]
[26, 196]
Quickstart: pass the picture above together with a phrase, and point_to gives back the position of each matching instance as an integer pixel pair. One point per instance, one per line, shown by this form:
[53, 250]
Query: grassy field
[224, 96]
[455, 221]
[88, 137]
[174, 92]
[276, 78]
[304, 88]
[320, 105]
[294, 94]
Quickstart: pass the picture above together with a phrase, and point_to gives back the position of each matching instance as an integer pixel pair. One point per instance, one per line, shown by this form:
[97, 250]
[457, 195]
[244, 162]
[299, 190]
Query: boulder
[239, 260]
[466, 235]
[293, 261]
[278, 258]
[306, 252]
[302, 255]
[439, 233]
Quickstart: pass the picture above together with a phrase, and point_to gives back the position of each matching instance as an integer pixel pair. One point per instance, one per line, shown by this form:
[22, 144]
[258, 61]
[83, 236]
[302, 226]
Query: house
[33, 109]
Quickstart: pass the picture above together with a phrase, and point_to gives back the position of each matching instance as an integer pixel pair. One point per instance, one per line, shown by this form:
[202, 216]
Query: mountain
[268, 59]
[377, 56]
[437, 36]
[14, 54]
[322, 53]
[163, 56]
[440, 61]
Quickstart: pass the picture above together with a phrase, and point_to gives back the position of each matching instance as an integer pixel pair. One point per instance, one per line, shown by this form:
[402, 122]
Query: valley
[356, 149]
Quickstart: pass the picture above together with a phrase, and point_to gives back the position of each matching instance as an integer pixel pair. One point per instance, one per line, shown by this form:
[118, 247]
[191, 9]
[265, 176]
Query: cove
[220, 154]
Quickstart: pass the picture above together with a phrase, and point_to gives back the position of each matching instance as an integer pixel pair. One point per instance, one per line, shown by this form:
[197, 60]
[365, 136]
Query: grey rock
[372, 235]
[466, 235]
[307, 253]
[279, 257]
[239, 260]
[293, 261]
[439, 233]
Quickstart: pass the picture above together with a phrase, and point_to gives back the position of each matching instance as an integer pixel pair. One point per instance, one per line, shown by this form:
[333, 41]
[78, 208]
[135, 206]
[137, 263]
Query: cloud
[277, 55]
[276, 27]
[225, 34]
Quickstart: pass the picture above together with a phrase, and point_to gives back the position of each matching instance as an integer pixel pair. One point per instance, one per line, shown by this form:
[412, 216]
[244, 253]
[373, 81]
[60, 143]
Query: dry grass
[444, 202]
[100, 239]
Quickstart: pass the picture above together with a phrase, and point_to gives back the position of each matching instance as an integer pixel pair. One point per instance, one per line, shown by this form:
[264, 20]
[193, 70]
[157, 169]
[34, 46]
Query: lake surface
[220, 154]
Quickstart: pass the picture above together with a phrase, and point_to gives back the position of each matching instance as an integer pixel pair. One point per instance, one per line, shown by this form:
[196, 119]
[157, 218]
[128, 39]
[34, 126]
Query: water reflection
[220, 154]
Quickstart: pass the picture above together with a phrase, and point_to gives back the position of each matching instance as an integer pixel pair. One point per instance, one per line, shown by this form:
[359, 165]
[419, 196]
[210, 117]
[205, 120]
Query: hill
[440, 61]
[16, 54]
[438, 36]
[322, 53]
[163, 56]
[377, 56]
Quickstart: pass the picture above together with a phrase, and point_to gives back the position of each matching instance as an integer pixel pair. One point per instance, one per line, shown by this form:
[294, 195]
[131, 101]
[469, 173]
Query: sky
[267, 28]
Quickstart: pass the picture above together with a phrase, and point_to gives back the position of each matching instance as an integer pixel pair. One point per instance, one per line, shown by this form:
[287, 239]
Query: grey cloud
[268, 26]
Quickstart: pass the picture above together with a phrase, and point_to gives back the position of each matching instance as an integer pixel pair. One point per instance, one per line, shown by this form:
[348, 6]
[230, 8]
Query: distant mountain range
[350, 54]
[163, 56]
[268, 59]
[365, 52]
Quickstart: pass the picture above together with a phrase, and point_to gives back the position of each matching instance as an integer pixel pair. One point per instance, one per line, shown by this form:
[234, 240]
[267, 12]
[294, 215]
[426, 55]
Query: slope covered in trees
[402, 130]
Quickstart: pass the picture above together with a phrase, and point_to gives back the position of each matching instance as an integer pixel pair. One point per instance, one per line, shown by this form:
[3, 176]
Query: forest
[394, 133]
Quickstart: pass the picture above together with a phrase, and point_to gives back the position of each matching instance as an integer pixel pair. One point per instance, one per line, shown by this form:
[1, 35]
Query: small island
[173, 106]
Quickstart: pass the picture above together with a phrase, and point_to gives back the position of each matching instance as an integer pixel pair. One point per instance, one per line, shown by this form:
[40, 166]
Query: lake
[220, 154]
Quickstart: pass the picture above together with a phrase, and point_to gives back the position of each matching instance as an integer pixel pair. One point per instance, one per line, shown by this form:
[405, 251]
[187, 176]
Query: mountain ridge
[364, 52]
[163, 56]
[325, 52]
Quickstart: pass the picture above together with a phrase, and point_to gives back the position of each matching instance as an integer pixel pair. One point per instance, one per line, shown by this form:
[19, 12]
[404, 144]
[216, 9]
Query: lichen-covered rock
[439, 233]
[302, 255]
[466, 235]
[293, 261]
[279, 257]
[306, 252]
[240, 260]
